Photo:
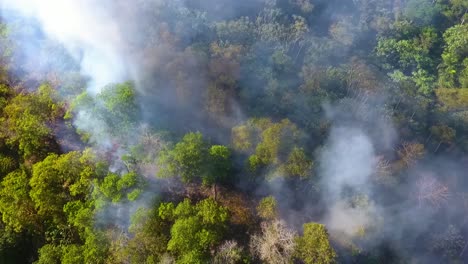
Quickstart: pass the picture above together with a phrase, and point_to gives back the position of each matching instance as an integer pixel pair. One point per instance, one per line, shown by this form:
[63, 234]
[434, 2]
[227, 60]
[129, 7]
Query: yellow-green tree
[313, 247]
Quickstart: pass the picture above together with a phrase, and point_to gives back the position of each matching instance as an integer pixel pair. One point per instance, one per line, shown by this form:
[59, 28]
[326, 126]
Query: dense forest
[234, 131]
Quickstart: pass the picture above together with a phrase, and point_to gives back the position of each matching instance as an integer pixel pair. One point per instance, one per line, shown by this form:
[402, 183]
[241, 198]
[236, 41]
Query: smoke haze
[110, 43]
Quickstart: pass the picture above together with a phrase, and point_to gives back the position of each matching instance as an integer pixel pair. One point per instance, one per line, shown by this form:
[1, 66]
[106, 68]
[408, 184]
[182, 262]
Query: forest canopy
[251, 131]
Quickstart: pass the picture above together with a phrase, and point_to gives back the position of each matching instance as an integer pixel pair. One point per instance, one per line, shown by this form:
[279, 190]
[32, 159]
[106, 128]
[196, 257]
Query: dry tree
[429, 190]
[275, 244]
[410, 153]
[383, 172]
[228, 253]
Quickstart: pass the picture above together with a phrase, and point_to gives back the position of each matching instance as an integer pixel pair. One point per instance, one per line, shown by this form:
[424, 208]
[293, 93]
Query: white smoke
[87, 30]
[347, 163]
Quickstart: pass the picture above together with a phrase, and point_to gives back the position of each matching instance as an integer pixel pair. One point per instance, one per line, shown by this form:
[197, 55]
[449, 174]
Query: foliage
[114, 108]
[267, 208]
[275, 145]
[115, 187]
[27, 119]
[196, 228]
[193, 159]
[58, 180]
[18, 210]
[185, 159]
[313, 246]
[264, 83]
[453, 71]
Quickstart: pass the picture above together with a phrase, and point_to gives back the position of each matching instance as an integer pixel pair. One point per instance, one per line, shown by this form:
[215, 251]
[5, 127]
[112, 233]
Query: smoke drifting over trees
[262, 131]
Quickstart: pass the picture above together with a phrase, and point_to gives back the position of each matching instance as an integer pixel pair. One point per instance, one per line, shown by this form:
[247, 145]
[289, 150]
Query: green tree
[151, 235]
[444, 134]
[186, 159]
[49, 254]
[115, 187]
[193, 159]
[219, 162]
[454, 10]
[313, 246]
[452, 99]
[196, 229]
[453, 69]
[115, 107]
[422, 12]
[17, 208]
[273, 145]
[27, 122]
[120, 110]
[6, 51]
[267, 208]
[60, 179]
[298, 164]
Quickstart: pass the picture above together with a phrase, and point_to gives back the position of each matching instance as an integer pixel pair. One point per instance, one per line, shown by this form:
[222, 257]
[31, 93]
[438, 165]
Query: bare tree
[228, 253]
[410, 153]
[275, 244]
[383, 172]
[167, 259]
[430, 190]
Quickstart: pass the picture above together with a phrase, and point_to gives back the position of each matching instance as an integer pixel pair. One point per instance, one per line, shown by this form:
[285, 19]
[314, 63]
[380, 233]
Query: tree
[267, 208]
[422, 12]
[430, 190]
[410, 153]
[115, 187]
[313, 247]
[6, 51]
[449, 243]
[276, 141]
[224, 69]
[219, 166]
[185, 159]
[120, 110]
[193, 159]
[196, 228]
[298, 164]
[444, 133]
[411, 56]
[16, 207]
[305, 5]
[272, 145]
[275, 244]
[28, 119]
[344, 31]
[228, 253]
[114, 110]
[453, 69]
[452, 99]
[454, 10]
[7, 165]
[243, 137]
[219, 162]
[60, 179]
[49, 254]
[151, 233]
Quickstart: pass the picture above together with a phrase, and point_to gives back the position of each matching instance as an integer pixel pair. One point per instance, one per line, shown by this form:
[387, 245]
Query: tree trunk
[214, 192]
[438, 146]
